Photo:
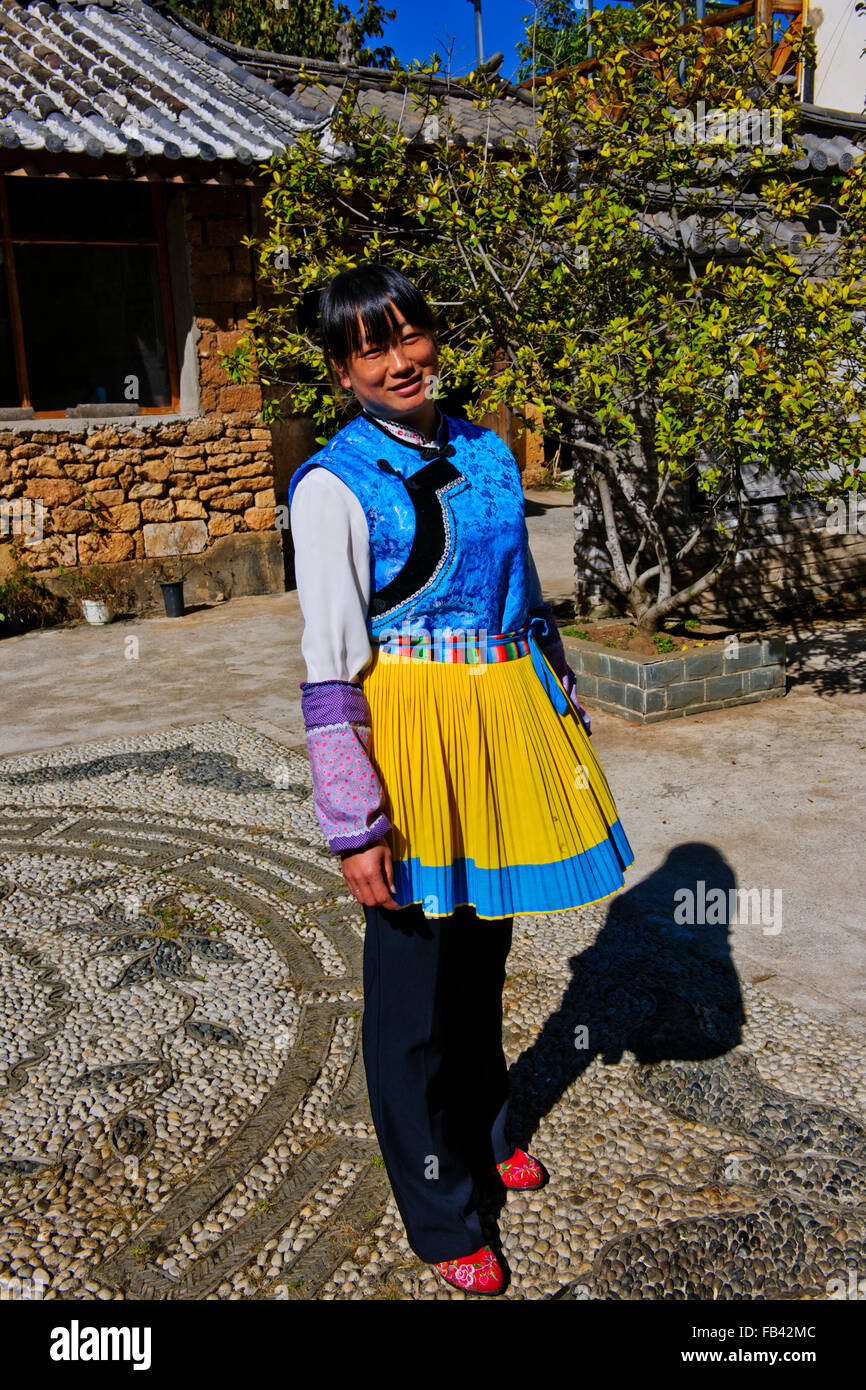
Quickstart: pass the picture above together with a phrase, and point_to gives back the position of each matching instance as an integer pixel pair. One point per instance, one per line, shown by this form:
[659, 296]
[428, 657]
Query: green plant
[88, 582]
[175, 918]
[24, 602]
[691, 623]
[663, 643]
[656, 362]
[558, 36]
[172, 568]
[312, 29]
[580, 632]
[97, 512]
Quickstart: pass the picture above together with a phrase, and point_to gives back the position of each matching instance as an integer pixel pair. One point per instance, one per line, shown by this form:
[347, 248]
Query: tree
[686, 352]
[309, 28]
[558, 35]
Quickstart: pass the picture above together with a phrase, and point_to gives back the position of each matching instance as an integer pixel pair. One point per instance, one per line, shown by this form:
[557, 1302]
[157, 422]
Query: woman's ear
[337, 372]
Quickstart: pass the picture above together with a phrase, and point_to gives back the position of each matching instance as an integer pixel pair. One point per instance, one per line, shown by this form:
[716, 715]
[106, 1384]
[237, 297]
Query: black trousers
[437, 1077]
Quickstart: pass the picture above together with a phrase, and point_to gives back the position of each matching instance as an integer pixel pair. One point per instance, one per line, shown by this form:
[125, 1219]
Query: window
[85, 300]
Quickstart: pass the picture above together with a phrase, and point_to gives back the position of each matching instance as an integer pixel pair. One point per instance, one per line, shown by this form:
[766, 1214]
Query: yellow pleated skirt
[494, 798]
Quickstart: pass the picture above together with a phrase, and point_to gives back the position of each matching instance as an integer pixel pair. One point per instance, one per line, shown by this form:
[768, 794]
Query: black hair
[366, 290]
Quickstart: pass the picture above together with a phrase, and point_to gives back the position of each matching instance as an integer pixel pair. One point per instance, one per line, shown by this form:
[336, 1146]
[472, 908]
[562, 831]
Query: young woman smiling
[453, 770]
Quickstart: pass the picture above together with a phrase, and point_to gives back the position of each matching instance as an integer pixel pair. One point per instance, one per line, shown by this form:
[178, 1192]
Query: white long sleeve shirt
[332, 571]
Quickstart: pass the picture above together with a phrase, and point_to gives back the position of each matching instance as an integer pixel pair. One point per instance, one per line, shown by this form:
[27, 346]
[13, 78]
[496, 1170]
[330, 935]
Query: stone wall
[797, 560]
[123, 491]
[114, 493]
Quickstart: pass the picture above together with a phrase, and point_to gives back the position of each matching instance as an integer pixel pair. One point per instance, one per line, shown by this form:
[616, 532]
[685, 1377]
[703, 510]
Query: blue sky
[423, 27]
[426, 26]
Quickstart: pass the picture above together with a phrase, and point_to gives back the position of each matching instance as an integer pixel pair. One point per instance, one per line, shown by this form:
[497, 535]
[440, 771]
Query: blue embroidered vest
[448, 542]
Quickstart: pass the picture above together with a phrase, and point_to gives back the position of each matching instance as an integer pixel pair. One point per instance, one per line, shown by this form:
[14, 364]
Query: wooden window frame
[9, 242]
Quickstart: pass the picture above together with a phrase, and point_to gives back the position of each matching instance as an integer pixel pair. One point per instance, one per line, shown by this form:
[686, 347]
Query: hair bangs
[371, 292]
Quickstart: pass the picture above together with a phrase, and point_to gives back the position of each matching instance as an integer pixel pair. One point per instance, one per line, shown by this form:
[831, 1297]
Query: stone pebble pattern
[183, 1112]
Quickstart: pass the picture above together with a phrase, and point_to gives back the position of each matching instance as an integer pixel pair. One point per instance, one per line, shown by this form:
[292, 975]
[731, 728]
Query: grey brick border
[645, 689]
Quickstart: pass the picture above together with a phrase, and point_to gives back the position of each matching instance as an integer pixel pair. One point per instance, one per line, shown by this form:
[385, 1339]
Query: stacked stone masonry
[796, 559]
[646, 689]
[108, 493]
[120, 491]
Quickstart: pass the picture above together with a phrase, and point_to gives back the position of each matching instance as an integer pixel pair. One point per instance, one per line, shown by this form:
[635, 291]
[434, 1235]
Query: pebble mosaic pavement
[183, 1112]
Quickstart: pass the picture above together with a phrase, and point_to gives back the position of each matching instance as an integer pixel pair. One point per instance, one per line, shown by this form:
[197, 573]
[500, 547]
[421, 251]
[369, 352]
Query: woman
[452, 770]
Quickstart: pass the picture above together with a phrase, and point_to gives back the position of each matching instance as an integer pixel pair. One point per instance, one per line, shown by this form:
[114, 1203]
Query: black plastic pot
[172, 596]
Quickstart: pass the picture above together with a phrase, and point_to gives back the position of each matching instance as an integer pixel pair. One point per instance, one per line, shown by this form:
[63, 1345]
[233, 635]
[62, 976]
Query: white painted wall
[840, 35]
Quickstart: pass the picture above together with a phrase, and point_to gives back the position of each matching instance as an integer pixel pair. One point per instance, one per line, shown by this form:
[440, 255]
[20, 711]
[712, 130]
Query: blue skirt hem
[587, 877]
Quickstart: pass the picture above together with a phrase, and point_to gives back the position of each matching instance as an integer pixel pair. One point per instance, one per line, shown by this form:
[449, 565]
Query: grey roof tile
[116, 77]
[510, 108]
[126, 77]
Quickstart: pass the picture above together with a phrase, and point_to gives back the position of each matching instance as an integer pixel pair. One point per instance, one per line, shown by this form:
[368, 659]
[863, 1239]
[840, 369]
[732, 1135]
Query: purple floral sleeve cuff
[347, 793]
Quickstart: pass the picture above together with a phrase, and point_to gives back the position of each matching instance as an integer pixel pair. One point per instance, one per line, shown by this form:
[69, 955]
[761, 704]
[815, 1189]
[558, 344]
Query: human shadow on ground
[652, 984]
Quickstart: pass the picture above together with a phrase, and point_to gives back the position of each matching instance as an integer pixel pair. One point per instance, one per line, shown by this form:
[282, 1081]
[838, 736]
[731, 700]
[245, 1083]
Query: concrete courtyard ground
[776, 788]
[234, 1158]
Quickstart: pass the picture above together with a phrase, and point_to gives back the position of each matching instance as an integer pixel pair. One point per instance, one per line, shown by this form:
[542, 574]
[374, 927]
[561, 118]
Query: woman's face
[393, 380]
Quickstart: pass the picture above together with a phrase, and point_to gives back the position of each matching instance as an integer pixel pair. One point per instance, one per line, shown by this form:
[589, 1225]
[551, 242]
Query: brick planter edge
[645, 689]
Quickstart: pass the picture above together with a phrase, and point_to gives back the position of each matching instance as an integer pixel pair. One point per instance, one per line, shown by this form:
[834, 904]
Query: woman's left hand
[369, 873]
[569, 685]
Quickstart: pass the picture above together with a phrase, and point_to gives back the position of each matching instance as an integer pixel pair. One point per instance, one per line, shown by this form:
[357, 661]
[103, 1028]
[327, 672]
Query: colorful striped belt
[474, 647]
[471, 647]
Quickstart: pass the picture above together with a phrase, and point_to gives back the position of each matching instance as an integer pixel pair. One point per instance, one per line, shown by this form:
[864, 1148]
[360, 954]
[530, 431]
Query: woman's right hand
[370, 875]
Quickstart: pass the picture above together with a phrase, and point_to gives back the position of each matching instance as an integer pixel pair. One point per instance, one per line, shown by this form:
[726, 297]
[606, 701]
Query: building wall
[126, 491]
[797, 561]
[840, 37]
[527, 446]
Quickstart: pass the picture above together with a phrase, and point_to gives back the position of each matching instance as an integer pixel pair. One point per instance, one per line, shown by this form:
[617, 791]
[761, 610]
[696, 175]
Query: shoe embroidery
[479, 1271]
[520, 1170]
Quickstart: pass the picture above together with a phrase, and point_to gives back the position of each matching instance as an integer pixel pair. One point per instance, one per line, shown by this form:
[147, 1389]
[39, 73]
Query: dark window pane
[8, 381]
[93, 328]
[81, 208]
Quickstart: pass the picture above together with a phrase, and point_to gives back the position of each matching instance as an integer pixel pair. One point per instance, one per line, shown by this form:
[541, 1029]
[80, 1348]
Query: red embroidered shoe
[521, 1170]
[478, 1273]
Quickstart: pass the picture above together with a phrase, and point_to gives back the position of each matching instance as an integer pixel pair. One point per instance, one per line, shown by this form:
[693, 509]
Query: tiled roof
[708, 235]
[115, 77]
[822, 152]
[510, 110]
[101, 77]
